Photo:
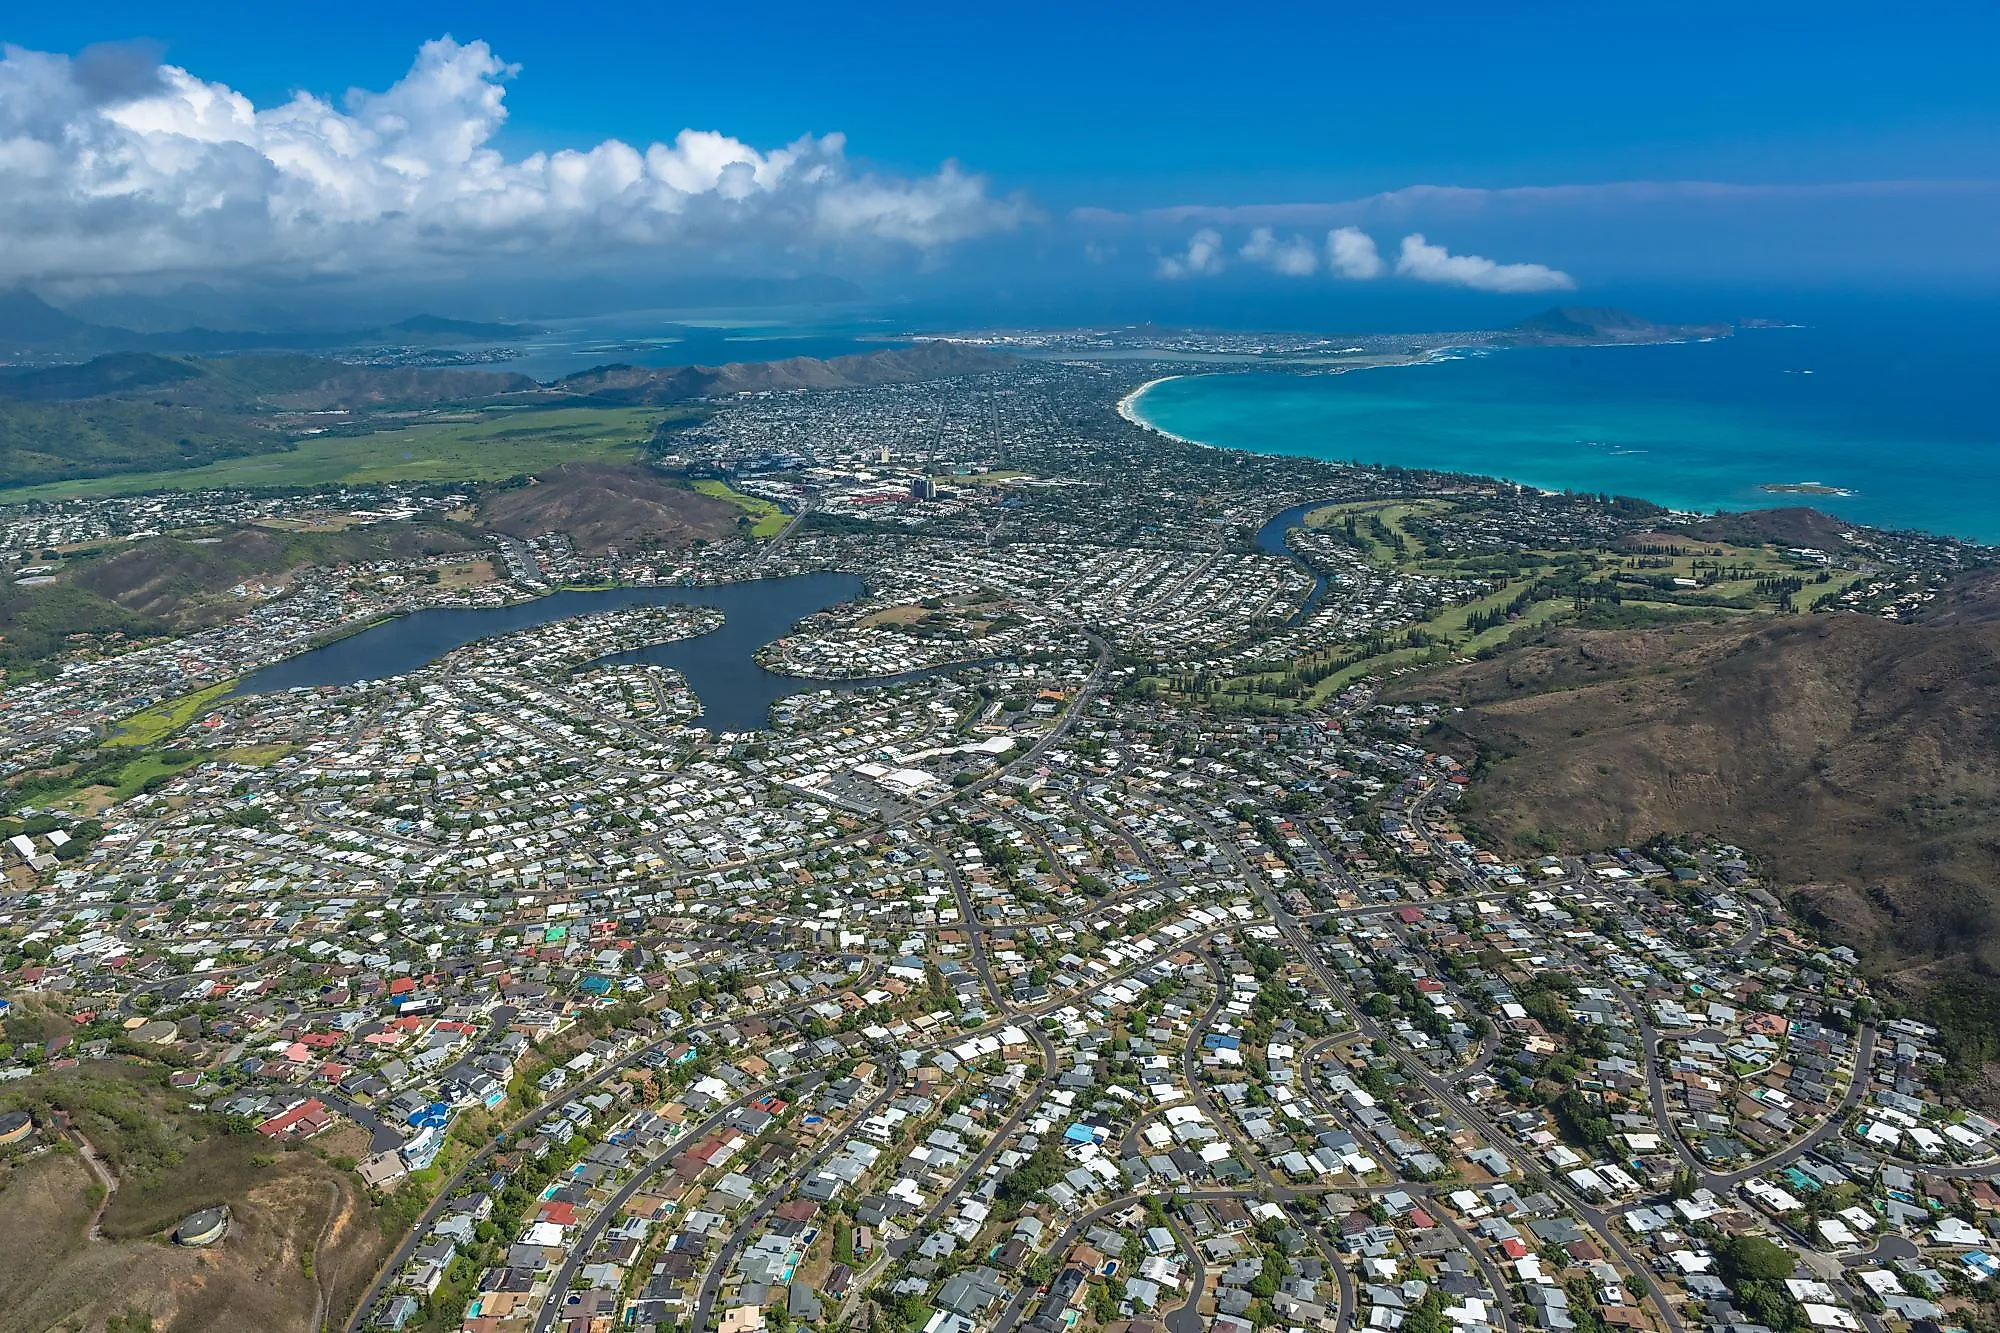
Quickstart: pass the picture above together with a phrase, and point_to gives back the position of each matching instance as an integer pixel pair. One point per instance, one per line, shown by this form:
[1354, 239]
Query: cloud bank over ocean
[1434, 263]
[119, 171]
[1544, 238]
[1352, 254]
[115, 165]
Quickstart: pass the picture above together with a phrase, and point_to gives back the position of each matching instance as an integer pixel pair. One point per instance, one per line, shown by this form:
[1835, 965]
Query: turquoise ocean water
[1907, 420]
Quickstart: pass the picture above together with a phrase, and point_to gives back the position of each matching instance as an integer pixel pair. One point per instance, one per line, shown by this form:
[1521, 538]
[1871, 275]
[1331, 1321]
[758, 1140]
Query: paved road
[1857, 1087]
[408, 1246]
[1503, 1291]
[524, 1123]
[974, 932]
[1721, 1182]
[387, 1136]
[1187, 1318]
[718, 1267]
[718, 1271]
[1180, 1321]
[1030, 1100]
[1447, 1094]
[771, 547]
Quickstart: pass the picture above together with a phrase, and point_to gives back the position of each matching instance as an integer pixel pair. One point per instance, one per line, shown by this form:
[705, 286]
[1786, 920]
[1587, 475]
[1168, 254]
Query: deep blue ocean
[1901, 408]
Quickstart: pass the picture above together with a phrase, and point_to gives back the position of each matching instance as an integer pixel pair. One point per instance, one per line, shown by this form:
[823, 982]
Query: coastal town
[1087, 937]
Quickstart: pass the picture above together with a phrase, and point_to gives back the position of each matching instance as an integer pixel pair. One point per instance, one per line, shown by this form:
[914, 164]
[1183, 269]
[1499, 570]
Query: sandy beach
[1128, 408]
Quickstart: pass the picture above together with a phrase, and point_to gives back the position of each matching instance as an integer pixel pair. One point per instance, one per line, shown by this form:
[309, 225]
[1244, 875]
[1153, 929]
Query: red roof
[302, 1121]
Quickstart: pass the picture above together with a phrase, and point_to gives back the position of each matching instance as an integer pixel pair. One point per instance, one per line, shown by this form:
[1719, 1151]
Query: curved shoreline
[1128, 408]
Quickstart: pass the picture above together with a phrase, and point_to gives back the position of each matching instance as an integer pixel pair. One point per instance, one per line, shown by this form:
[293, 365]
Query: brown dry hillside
[1792, 525]
[370, 387]
[1860, 759]
[603, 504]
[304, 1237]
[1972, 598]
[181, 579]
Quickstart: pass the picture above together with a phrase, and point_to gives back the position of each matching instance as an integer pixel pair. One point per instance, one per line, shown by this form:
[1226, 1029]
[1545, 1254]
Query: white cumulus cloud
[1351, 253]
[1201, 259]
[1293, 257]
[1433, 263]
[113, 165]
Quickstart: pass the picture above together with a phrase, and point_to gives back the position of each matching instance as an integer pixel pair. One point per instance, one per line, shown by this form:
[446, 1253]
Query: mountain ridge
[1852, 754]
[31, 326]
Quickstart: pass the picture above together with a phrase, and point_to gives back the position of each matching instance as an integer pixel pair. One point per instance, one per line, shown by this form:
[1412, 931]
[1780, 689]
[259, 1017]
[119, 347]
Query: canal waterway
[1271, 541]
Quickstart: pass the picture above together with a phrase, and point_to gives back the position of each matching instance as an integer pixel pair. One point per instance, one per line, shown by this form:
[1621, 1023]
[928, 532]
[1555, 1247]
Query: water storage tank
[203, 1228]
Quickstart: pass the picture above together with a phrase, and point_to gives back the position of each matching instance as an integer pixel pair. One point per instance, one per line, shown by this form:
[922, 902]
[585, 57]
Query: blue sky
[1860, 143]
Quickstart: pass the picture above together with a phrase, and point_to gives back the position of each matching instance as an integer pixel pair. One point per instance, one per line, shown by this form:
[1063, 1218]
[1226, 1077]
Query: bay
[1902, 419]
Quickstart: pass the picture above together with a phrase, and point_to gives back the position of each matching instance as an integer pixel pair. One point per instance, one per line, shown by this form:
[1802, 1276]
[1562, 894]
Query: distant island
[1583, 326]
[1802, 488]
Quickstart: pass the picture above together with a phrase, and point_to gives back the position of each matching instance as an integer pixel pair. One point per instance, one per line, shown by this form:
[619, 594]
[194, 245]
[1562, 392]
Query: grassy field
[133, 778]
[1391, 515]
[474, 446]
[1727, 580]
[1539, 614]
[767, 520]
[153, 725]
[260, 755]
[116, 775]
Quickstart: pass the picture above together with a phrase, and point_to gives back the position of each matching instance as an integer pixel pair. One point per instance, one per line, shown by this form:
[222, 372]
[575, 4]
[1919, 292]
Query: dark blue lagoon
[721, 667]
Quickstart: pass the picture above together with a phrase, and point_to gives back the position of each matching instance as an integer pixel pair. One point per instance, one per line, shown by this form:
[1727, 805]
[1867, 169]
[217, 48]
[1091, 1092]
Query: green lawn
[1453, 622]
[116, 780]
[483, 446]
[767, 520]
[135, 775]
[152, 725]
[1449, 624]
